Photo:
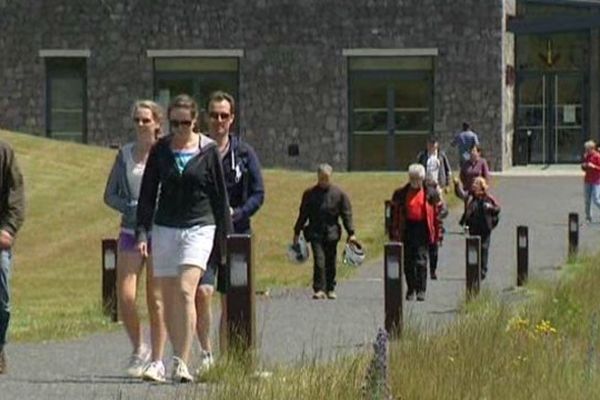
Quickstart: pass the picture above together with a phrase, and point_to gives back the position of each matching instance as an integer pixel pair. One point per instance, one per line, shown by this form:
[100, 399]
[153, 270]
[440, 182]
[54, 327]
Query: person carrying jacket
[246, 192]
[413, 224]
[321, 207]
[436, 164]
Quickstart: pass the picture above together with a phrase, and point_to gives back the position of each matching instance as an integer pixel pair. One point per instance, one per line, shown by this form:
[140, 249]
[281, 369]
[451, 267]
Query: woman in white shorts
[121, 194]
[184, 193]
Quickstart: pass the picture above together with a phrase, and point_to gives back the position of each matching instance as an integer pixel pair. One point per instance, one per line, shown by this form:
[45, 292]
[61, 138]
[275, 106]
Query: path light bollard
[573, 234]
[522, 255]
[473, 264]
[388, 216]
[240, 303]
[109, 278]
[393, 268]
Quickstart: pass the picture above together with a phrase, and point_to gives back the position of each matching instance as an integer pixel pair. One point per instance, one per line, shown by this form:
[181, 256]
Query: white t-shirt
[433, 168]
[135, 171]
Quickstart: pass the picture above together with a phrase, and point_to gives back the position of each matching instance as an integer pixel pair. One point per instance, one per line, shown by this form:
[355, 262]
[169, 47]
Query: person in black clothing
[321, 207]
[246, 193]
[187, 219]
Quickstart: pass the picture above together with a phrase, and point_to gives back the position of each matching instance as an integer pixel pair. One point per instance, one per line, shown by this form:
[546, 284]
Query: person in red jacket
[413, 224]
[591, 181]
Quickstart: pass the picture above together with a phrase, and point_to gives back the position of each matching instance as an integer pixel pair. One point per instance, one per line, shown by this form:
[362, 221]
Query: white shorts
[174, 247]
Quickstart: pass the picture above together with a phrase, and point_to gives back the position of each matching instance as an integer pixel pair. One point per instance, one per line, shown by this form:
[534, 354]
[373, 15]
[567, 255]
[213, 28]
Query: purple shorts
[127, 242]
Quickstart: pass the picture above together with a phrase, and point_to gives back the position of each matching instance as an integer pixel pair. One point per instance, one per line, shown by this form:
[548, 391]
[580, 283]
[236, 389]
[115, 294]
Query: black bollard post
[473, 264]
[240, 303]
[388, 217]
[573, 234]
[522, 255]
[393, 269]
[109, 279]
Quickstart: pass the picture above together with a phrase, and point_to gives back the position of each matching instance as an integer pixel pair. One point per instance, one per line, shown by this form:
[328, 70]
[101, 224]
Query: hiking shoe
[410, 296]
[180, 372]
[206, 362]
[319, 295]
[420, 296]
[154, 372]
[2, 362]
[331, 295]
[137, 362]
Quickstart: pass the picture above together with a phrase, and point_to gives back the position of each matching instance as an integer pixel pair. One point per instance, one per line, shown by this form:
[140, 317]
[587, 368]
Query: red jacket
[399, 216]
[592, 175]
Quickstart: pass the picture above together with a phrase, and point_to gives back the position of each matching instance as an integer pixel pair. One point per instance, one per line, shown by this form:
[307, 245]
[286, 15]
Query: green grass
[56, 284]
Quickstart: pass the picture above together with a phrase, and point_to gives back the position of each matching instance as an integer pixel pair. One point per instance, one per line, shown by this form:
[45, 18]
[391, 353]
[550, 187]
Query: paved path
[294, 327]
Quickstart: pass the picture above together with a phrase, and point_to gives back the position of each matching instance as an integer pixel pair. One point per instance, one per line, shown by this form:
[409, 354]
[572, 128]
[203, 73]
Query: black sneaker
[433, 275]
[421, 296]
[410, 296]
[2, 362]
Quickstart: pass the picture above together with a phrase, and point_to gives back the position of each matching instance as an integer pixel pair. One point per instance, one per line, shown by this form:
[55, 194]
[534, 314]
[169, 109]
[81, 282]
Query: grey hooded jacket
[117, 194]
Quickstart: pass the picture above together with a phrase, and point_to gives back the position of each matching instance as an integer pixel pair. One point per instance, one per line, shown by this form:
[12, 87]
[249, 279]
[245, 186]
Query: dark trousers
[324, 257]
[433, 256]
[416, 254]
[485, 247]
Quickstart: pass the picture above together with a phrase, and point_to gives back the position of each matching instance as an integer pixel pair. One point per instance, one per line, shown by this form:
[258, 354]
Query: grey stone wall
[293, 77]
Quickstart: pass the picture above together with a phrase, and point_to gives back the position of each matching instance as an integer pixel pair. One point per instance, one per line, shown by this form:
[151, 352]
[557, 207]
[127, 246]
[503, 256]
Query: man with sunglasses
[246, 192]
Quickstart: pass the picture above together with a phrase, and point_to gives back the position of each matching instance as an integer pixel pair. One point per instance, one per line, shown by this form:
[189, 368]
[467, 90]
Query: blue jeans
[5, 261]
[591, 193]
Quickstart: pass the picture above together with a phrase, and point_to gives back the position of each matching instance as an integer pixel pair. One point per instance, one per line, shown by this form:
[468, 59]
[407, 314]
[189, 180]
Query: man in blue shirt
[465, 140]
[246, 192]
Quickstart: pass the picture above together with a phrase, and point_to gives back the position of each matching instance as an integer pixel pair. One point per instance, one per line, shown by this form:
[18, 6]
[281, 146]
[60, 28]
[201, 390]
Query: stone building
[360, 84]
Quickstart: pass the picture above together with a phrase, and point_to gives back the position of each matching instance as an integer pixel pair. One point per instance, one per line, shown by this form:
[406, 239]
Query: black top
[196, 196]
[322, 208]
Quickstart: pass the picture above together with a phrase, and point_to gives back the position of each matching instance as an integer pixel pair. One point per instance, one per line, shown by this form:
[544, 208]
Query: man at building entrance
[322, 205]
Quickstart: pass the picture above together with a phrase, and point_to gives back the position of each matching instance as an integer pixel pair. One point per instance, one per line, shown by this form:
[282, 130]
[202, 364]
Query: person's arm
[485, 170]
[346, 215]
[13, 216]
[147, 199]
[302, 215]
[255, 190]
[459, 190]
[219, 199]
[112, 195]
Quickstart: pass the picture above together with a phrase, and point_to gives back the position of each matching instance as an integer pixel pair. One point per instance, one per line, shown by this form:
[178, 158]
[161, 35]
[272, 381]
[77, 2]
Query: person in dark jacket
[321, 207]
[436, 164]
[188, 219]
[246, 192]
[480, 217]
[440, 211]
[121, 194]
[413, 224]
[12, 214]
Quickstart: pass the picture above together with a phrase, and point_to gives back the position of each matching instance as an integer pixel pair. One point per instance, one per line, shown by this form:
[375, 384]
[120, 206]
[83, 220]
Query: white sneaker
[206, 362]
[137, 362]
[180, 372]
[154, 372]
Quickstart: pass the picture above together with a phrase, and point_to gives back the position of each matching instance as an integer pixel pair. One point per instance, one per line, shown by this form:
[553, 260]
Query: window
[391, 110]
[195, 76]
[66, 106]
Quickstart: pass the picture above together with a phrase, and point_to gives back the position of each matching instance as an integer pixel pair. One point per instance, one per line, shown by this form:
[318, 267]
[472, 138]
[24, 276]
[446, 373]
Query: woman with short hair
[183, 202]
[121, 194]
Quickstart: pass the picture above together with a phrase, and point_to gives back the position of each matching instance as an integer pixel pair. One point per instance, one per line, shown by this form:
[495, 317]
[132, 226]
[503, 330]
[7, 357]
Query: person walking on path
[475, 167]
[245, 189]
[121, 194]
[322, 206]
[480, 217]
[12, 214]
[441, 211]
[413, 224]
[464, 141]
[591, 180]
[437, 166]
[190, 214]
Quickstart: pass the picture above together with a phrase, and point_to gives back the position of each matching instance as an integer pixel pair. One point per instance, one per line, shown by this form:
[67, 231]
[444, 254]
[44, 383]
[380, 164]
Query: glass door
[568, 126]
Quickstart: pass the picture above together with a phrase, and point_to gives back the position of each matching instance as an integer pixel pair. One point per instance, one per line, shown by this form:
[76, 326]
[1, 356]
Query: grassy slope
[56, 281]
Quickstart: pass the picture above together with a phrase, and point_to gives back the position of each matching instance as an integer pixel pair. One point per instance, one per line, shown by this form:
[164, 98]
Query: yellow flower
[517, 324]
[544, 327]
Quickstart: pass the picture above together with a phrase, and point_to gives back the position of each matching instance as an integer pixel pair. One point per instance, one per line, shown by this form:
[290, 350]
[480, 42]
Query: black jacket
[322, 208]
[195, 197]
[445, 170]
[244, 183]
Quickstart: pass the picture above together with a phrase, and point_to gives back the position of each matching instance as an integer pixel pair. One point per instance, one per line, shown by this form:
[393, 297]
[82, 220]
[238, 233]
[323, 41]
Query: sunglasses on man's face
[176, 124]
[144, 121]
[222, 116]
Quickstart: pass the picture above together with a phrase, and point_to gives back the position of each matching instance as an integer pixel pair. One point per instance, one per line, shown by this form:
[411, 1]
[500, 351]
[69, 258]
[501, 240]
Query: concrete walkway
[293, 327]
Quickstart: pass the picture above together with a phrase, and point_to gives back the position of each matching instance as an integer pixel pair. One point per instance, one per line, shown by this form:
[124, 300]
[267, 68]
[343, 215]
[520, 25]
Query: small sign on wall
[569, 114]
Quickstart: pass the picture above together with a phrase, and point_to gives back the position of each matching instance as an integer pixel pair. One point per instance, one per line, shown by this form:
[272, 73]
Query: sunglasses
[216, 115]
[144, 121]
[176, 124]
